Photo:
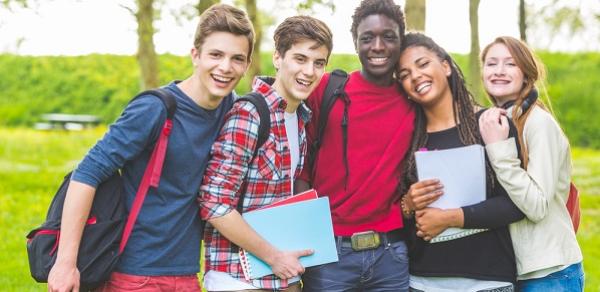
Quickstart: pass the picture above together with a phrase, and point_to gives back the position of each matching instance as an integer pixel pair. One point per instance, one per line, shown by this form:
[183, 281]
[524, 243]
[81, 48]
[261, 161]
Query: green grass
[32, 164]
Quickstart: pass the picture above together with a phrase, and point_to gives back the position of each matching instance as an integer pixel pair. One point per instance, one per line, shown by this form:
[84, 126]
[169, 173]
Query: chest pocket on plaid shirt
[269, 161]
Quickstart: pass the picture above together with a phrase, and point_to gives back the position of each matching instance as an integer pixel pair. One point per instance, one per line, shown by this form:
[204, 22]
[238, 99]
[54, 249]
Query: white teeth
[303, 82]
[423, 86]
[379, 60]
[222, 78]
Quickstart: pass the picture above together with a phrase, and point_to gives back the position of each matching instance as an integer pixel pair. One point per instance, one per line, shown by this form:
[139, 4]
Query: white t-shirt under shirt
[220, 281]
[291, 128]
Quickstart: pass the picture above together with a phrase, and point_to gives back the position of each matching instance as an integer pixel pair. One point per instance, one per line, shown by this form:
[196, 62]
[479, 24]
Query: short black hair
[373, 7]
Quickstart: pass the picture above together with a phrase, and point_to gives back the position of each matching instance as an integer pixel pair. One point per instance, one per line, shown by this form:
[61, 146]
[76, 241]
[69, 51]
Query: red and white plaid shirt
[269, 175]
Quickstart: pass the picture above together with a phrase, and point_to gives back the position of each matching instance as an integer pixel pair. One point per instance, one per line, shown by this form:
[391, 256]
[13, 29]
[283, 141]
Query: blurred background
[87, 58]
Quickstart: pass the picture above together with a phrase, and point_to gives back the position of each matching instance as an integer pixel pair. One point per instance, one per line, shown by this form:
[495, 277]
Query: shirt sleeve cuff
[211, 210]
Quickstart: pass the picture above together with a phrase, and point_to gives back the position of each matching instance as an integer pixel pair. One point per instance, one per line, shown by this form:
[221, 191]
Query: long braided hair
[463, 108]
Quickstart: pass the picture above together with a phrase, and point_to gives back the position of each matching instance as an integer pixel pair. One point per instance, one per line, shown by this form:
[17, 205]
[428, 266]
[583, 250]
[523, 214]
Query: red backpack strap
[573, 206]
[154, 168]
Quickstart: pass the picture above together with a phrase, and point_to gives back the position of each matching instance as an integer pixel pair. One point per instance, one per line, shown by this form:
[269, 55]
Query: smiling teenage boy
[361, 176]
[163, 252]
[302, 47]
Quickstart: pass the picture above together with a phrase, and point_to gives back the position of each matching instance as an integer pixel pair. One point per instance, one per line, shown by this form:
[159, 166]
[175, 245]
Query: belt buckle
[365, 240]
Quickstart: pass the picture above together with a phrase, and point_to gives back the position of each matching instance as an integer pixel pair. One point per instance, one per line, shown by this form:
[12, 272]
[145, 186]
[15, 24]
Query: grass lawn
[32, 164]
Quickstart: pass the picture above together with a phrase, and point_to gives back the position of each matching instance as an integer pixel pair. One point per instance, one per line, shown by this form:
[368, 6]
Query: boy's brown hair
[224, 18]
[297, 28]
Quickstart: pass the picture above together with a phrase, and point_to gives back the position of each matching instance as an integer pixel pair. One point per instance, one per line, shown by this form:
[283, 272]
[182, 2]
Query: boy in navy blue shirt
[163, 251]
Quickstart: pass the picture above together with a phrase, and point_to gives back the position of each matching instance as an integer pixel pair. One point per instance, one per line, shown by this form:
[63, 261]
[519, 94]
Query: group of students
[409, 94]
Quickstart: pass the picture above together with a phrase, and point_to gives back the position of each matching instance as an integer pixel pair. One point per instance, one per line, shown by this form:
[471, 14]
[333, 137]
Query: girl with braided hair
[446, 117]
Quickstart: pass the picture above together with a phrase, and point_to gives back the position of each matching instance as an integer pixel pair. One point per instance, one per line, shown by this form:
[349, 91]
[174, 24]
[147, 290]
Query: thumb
[504, 121]
[303, 253]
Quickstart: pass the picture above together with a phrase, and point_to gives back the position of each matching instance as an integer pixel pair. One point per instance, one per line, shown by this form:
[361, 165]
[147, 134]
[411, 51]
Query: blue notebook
[296, 226]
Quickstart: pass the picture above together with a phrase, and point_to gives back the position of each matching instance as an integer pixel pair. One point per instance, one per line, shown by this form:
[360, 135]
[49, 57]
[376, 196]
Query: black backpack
[264, 114]
[333, 91]
[103, 236]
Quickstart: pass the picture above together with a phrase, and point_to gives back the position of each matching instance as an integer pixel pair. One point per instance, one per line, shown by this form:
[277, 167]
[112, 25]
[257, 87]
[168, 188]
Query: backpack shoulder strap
[335, 88]
[165, 96]
[153, 170]
[264, 129]
[261, 106]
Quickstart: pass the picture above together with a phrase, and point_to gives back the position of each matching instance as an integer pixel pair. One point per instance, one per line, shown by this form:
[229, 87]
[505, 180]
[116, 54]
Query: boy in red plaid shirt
[302, 48]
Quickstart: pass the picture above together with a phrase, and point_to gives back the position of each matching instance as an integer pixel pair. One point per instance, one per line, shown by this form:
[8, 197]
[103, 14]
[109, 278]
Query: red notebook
[304, 196]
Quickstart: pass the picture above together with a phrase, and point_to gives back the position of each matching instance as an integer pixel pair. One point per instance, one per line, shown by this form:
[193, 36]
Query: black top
[486, 255]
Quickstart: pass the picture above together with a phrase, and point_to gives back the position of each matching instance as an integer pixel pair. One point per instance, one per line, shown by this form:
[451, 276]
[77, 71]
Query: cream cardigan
[544, 242]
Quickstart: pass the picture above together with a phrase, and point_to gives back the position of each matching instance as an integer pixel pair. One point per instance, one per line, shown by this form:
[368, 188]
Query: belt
[370, 239]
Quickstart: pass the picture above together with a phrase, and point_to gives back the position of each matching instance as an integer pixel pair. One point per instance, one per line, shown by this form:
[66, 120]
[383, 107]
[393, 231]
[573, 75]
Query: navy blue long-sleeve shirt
[166, 237]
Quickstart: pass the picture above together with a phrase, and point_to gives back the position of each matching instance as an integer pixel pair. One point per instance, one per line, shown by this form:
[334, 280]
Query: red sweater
[380, 127]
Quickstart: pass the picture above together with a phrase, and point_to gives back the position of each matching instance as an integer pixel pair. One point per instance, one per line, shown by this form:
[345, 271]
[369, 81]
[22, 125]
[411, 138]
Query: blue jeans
[569, 279]
[382, 269]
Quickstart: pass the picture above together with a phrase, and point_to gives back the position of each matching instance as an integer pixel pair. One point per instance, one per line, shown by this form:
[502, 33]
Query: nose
[378, 44]
[415, 75]
[225, 65]
[308, 69]
[499, 70]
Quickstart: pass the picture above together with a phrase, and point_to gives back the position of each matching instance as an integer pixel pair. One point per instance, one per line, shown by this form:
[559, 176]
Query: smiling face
[299, 71]
[424, 76]
[220, 63]
[378, 48]
[502, 78]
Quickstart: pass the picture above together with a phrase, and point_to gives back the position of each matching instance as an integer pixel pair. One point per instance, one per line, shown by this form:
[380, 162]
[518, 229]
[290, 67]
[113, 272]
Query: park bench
[71, 122]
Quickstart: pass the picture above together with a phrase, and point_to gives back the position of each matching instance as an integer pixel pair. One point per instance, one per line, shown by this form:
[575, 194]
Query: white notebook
[462, 172]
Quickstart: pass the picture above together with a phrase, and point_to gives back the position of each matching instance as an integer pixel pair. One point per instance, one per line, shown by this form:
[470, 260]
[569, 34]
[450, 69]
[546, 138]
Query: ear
[277, 59]
[195, 56]
[447, 68]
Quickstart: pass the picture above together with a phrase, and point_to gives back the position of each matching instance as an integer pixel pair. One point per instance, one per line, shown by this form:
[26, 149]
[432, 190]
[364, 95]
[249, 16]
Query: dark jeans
[382, 269]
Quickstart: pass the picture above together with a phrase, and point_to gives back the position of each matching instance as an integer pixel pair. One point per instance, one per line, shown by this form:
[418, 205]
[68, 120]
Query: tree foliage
[102, 84]
[559, 19]
[415, 12]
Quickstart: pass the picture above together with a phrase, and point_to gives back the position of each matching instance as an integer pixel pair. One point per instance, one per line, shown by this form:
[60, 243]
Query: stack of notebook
[300, 222]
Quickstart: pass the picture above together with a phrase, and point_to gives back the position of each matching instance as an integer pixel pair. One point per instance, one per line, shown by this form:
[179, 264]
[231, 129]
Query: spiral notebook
[462, 172]
[295, 224]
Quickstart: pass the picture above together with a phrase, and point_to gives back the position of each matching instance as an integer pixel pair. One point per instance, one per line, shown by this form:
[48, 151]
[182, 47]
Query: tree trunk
[415, 15]
[204, 4]
[252, 11]
[474, 79]
[522, 23]
[146, 54]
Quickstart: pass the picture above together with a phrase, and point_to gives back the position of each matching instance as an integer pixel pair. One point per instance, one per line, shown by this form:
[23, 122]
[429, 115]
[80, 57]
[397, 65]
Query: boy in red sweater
[361, 180]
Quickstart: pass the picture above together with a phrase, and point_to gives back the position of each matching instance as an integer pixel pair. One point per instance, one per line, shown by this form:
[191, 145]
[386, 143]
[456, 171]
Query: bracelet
[406, 211]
